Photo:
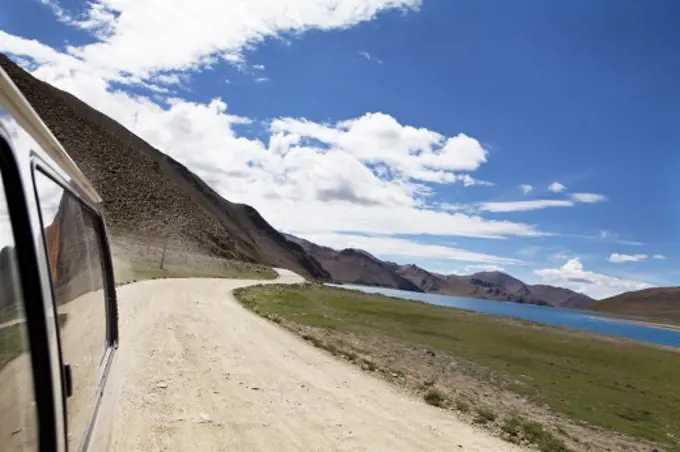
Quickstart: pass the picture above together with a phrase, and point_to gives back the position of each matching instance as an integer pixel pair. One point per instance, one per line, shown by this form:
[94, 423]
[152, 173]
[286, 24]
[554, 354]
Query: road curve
[198, 372]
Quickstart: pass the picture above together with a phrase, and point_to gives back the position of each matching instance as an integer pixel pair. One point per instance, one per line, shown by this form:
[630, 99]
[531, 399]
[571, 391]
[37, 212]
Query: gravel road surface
[198, 372]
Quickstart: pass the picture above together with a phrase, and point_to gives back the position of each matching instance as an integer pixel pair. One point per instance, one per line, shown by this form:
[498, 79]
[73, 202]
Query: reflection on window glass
[17, 406]
[76, 272]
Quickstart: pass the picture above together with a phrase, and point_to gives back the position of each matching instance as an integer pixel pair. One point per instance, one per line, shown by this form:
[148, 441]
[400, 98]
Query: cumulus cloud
[572, 275]
[379, 139]
[363, 174]
[589, 198]
[526, 188]
[556, 187]
[659, 256]
[523, 206]
[147, 36]
[617, 258]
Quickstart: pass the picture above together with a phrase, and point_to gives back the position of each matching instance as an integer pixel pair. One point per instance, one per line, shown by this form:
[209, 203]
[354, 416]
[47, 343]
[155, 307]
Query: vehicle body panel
[27, 147]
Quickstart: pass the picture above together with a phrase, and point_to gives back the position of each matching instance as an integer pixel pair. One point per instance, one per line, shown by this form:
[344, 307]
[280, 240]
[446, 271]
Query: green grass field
[618, 385]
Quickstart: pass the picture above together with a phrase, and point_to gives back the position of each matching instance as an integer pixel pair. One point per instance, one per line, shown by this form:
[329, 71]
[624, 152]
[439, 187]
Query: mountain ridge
[355, 266]
[346, 266]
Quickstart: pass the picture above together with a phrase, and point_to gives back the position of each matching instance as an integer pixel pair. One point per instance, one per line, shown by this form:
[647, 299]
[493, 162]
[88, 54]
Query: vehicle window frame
[32, 295]
[39, 166]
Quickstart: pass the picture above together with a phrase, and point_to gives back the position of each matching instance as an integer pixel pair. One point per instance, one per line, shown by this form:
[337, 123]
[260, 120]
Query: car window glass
[17, 406]
[74, 255]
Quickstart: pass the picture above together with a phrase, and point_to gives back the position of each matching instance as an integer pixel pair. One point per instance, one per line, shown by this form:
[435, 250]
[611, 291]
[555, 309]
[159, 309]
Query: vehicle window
[17, 405]
[77, 279]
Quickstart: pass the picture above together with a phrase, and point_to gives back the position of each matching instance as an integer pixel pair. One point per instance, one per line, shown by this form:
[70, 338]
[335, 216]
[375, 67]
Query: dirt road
[201, 373]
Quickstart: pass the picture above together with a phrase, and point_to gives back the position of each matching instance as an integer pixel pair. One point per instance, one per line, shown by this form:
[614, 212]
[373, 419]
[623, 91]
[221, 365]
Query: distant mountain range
[360, 267]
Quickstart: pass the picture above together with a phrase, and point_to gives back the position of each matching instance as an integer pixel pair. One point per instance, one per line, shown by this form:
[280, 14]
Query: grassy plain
[556, 388]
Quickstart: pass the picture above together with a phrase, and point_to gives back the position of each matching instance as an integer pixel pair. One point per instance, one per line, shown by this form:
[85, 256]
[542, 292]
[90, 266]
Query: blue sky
[404, 127]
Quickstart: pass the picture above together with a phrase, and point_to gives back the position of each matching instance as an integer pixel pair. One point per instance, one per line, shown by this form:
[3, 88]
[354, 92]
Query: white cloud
[362, 175]
[337, 215]
[141, 36]
[469, 181]
[589, 198]
[556, 187]
[407, 249]
[452, 207]
[572, 275]
[357, 175]
[482, 268]
[617, 258]
[370, 57]
[365, 55]
[58, 11]
[259, 67]
[379, 139]
[523, 206]
[560, 256]
[615, 238]
[536, 204]
[526, 188]
[261, 79]
[659, 256]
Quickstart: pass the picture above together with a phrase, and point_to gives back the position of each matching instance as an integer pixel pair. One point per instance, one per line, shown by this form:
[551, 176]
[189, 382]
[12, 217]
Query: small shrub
[546, 441]
[484, 416]
[331, 348]
[368, 364]
[352, 356]
[425, 385]
[435, 398]
[512, 426]
[462, 406]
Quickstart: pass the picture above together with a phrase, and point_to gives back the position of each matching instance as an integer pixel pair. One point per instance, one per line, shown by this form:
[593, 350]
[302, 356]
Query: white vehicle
[58, 314]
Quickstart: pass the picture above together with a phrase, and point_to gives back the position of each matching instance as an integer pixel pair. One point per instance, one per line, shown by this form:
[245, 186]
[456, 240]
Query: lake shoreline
[650, 323]
[640, 330]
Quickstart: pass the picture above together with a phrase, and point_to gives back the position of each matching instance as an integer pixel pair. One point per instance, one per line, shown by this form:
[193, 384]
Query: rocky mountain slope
[494, 286]
[660, 303]
[148, 195]
[355, 266]
[359, 267]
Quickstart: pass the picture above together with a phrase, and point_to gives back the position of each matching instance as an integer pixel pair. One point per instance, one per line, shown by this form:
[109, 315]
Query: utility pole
[165, 249]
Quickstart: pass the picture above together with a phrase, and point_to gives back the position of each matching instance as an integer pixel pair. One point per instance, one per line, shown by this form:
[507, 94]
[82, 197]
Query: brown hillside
[359, 267]
[661, 303]
[148, 195]
[354, 266]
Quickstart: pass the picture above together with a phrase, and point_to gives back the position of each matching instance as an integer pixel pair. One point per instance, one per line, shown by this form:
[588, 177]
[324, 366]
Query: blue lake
[568, 318]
